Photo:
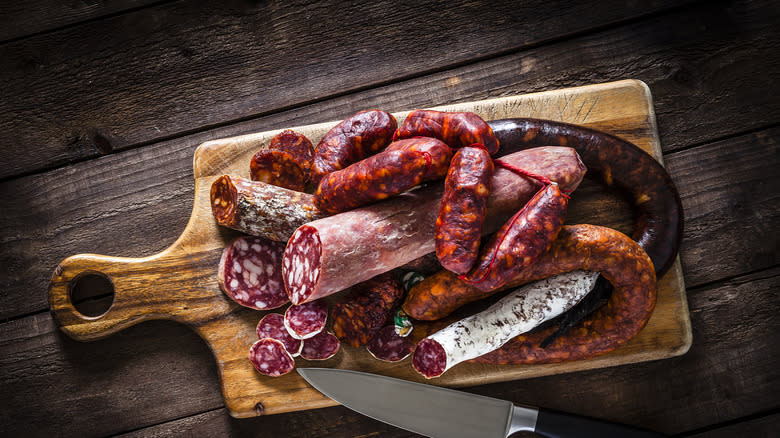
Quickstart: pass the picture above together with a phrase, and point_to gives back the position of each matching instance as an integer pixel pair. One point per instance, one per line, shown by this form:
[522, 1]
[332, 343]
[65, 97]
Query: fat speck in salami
[250, 273]
[269, 357]
[306, 320]
[272, 326]
[320, 347]
[388, 346]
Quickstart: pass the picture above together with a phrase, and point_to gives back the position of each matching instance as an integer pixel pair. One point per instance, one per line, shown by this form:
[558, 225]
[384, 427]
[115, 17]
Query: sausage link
[403, 165]
[462, 209]
[457, 129]
[352, 140]
[365, 309]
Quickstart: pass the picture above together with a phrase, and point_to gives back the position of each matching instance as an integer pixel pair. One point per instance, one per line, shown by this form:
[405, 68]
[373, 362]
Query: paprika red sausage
[278, 168]
[457, 129]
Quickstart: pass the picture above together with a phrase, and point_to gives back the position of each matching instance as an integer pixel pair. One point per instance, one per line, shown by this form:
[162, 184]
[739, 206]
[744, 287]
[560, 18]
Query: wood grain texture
[159, 72]
[186, 269]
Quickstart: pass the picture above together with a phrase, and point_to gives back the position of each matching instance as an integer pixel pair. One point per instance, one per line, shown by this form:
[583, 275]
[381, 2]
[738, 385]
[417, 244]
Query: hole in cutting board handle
[92, 294]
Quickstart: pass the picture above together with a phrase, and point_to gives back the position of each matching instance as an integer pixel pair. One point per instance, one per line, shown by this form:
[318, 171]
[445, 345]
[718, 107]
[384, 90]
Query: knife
[440, 412]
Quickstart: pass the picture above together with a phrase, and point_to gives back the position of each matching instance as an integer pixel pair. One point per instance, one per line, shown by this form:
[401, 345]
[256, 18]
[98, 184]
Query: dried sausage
[278, 168]
[334, 253]
[270, 358]
[403, 165]
[272, 326]
[388, 346]
[298, 146]
[352, 140]
[462, 209]
[250, 273]
[365, 309]
[322, 346]
[306, 320]
[457, 129]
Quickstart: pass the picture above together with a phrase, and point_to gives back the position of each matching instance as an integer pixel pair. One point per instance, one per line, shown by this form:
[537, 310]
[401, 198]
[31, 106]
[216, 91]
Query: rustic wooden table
[102, 105]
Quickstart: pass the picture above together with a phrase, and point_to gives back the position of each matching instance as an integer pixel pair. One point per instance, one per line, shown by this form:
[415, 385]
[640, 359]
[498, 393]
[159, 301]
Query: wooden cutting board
[180, 283]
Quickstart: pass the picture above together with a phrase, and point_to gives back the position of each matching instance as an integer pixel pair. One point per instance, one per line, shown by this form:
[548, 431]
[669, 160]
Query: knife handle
[554, 424]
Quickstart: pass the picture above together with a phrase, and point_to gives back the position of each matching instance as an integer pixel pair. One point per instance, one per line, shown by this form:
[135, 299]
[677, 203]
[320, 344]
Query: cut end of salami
[320, 347]
[272, 326]
[223, 201]
[388, 346]
[429, 358]
[250, 273]
[306, 320]
[301, 264]
[278, 168]
[270, 358]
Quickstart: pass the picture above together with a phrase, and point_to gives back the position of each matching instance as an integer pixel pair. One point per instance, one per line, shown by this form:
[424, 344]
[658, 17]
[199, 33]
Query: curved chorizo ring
[620, 163]
[622, 262]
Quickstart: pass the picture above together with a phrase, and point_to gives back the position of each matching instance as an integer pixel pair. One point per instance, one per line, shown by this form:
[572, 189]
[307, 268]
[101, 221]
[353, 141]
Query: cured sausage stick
[519, 312]
[334, 253]
[457, 129]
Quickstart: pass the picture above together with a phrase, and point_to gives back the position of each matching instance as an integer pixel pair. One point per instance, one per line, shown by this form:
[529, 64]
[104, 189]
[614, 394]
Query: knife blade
[441, 412]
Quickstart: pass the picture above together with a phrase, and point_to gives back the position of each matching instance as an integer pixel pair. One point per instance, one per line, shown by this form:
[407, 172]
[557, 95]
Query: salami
[521, 241]
[298, 146]
[250, 273]
[403, 165]
[388, 346]
[331, 254]
[365, 309]
[352, 140]
[272, 326]
[457, 129]
[278, 168]
[518, 312]
[270, 358]
[320, 347]
[306, 320]
[462, 209]
[261, 209]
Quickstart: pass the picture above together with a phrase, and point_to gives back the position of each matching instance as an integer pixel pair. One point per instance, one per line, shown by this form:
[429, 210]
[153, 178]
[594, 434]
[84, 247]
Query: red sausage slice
[250, 273]
[278, 168]
[298, 146]
[306, 320]
[320, 347]
[272, 326]
[388, 346]
[270, 358]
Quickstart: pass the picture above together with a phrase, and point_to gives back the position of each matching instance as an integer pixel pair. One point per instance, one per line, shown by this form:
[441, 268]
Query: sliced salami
[278, 168]
[388, 346]
[518, 312]
[272, 326]
[270, 358]
[320, 347]
[250, 273]
[296, 145]
[306, 320]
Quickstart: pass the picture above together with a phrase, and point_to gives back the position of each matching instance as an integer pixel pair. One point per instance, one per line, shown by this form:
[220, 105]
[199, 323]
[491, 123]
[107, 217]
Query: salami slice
[261, 209]
[520, 311]
[270, 358]
[272, 326]
[250, 273]
[306, 320]
[278, 168]
[320, 347]
[297, 145]
[331, 254]
[388, 346]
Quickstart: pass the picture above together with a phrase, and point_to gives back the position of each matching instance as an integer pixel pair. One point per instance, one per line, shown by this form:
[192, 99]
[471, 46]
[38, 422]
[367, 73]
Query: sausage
[621, 164]
[388, 346]
[623, 263]
[278, 168]
[298, 146]
[322, 346]
[250, 273]
[403, 165]
[365, 309]
[306, 320]
[261, 209]
[352, 140]
[518, 312]
[331, 254]
[521, 241]
[462, 209]
[272, 326]
[457, 129]
[270, 358]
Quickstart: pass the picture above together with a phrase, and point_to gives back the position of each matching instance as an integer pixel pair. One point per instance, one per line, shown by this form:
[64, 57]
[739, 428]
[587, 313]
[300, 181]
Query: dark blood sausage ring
[621, 163]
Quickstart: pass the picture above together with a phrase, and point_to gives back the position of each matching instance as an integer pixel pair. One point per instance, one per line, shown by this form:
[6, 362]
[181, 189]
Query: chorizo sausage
[457, 129]
[621, 164]
[334, 253]
[403, 165]
[298, 146]
[365, 309]
[352, 140]
[462, 209]
[278, 168]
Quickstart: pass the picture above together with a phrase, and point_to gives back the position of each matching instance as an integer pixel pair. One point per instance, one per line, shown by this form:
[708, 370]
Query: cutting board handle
[168, 285]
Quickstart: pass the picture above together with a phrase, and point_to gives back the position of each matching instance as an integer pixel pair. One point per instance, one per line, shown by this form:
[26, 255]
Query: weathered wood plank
[734, 328]
[20, 19]
[163, 71]
[762, 427]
